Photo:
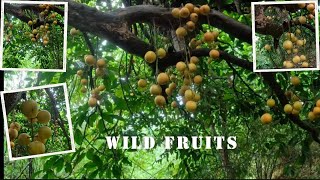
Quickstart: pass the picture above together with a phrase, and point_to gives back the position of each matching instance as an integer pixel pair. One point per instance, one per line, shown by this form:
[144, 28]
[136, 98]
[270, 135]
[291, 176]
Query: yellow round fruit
[192, 67]
[30, 23]
[194, 17]
[36, 147]
[296, 59]
[155, 89]
[101, 63]
[196, 10]
[15, 125]
[267, 47]
[194, 59]
[11, 144]
[316, 110]
[197, 79]
[90, 60]
[204, 9]
[13, 133]
[297, 105]
[289, 64]
[208, 37]
[300, 42]
[190, 7]
[271, 102]
[288, 109]
[191, 106]
[302, 5]
[83, 89]
[184, 12]
[298, 31]
[44, 132]
[311, 116]
[73, 31]
[188, 94]
[295, 80]
[266, 118]
[214, 54]
[190, 26]
[175, 12]
[84, 82]
[305, 64]
[80, 73]
[287, 45]
[302, 20]
[289, 51]
[35, 31]
[183, 89]
[23, 139]
[29, 108]
[45, 42]
[174, 104]
[318, 103]
[101, 87]
[172, 86]
[295, 98]
[100, 72]
[168, 91]
[142, 83]
[150, 57]
[295, 112]
[92, 102]
[161, 53]
[160, 100]
[44, 116]
[196, 97]
[163, 78]
[303, 58]
[181, 66]
[37, 138]
[310, 7]
[295, 50]
[181, 32]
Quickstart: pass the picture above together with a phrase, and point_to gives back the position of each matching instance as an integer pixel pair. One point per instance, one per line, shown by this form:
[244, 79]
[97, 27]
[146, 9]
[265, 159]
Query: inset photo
[37, 122]
[285, 36]
[33, 35]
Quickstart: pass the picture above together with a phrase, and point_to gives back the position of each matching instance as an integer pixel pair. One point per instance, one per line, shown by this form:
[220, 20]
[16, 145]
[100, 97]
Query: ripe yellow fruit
[92, 102]
[188, 94]
[29, 108]
[155, 89]
[208, 37]
[196, 97]
[299, 42]
[214, 54]
[142, 83]
[288, 109]
[194, 59]
[271, 102]
[161, 53]
[296, 59]
[37, 138]
[181, 66]
[13, 133]
[11, 144]
[100, 72]
[303, 58]
[83, 89]
[295, 80]
[73, 31]
[172, 86]
[101, 63]
[194, 17]
[192, 67]
[159, 100]
[175, 12]
[30, 23]
[295, 112]
[181, 32]
[267, 47]
[190, 7]
[289, 64]
[174, 104]
[23, 139]
[316, 110]
[184, 12]
[150, 57]
[190, 26]
[36, 147]
[305, 65]
[295, 98]
[45, 42]
[84, 82]
[287, 45]
[168, 91]
[266, 118]
[163, 78]
[44, 132]
[15, 125]
[191, 106]
[204, 9]
[298, 31]
[101, 87]
[297, 105]
[196, 10]
[44, 116]
[80, 73]
[90, 60]
[302, 5]
[34, 31]
[183, 89]
[318, 103]
[302, 20]
[311, 116]
[197, 79]
[310, 7]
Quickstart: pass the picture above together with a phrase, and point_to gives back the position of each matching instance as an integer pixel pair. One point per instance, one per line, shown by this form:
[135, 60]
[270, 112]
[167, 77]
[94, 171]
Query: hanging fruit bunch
[35, 144]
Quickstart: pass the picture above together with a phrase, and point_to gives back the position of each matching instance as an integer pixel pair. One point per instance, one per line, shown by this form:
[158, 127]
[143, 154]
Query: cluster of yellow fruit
[99, 72]
[42, 32]
[31, 111]
[311, 9]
